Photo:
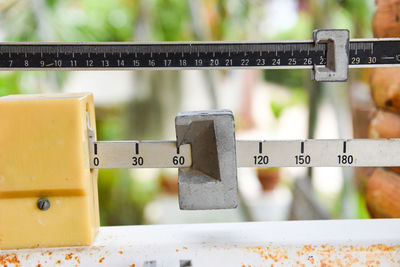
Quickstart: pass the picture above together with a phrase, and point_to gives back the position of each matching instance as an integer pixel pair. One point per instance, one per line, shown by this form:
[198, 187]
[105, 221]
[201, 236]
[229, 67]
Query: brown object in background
[385, 124]
[383, 194]
[386, 22]
[362, 109]
[385, 83]
[361, 175]
[169, 184]
[383, 187]
[268, 177]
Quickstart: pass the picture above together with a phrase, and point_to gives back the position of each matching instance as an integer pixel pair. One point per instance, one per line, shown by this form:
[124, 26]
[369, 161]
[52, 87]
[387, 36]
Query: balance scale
[49, 156]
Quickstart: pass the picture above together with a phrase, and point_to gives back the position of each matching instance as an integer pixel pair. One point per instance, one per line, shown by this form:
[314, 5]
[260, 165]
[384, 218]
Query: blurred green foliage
[173, 23]
[297, 96]
[9, 83]
[122, 199]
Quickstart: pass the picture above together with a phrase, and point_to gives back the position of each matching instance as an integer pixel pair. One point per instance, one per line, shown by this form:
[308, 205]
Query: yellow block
[44, 153]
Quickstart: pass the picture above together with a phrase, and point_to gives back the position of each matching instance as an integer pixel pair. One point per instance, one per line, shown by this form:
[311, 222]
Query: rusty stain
[9, 258]
[311, 259]
[270, 255]
[68, 256]
[50, 253]
[133, 265]
[78, 249]
[328, 255]
[39, 265]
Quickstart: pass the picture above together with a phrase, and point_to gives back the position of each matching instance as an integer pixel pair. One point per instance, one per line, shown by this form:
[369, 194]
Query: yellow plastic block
[44, 153]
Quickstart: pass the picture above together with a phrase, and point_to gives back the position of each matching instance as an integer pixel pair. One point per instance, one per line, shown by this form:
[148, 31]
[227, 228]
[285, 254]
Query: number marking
[261, 160]
[137, 161]
[303, 159]
[178, 160]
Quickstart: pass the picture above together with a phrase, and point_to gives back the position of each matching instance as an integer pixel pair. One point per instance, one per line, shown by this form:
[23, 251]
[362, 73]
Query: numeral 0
[96, 161]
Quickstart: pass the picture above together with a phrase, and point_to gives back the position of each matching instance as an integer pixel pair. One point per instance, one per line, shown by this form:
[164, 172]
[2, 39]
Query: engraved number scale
[312, 54]
[254, 153]
[192, 55]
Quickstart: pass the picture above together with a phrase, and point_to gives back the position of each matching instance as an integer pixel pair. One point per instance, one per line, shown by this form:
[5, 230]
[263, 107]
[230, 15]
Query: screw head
[43, 204]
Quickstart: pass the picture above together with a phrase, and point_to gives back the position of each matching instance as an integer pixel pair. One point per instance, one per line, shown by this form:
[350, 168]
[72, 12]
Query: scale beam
[255, 153]
[363, 53]
[329, 55]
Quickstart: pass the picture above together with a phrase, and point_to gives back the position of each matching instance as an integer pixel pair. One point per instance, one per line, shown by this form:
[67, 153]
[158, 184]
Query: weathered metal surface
[293, 243]
[337, 58]
[211, 181]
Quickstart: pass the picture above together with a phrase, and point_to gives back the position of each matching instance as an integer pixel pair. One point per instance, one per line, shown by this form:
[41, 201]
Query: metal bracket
[211, 181]
[337, 57]
[90, 131]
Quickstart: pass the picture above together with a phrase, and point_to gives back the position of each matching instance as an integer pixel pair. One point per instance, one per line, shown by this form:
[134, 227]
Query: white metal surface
[255, 153]
[319, 153]
[291, 243]
[135, 154]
